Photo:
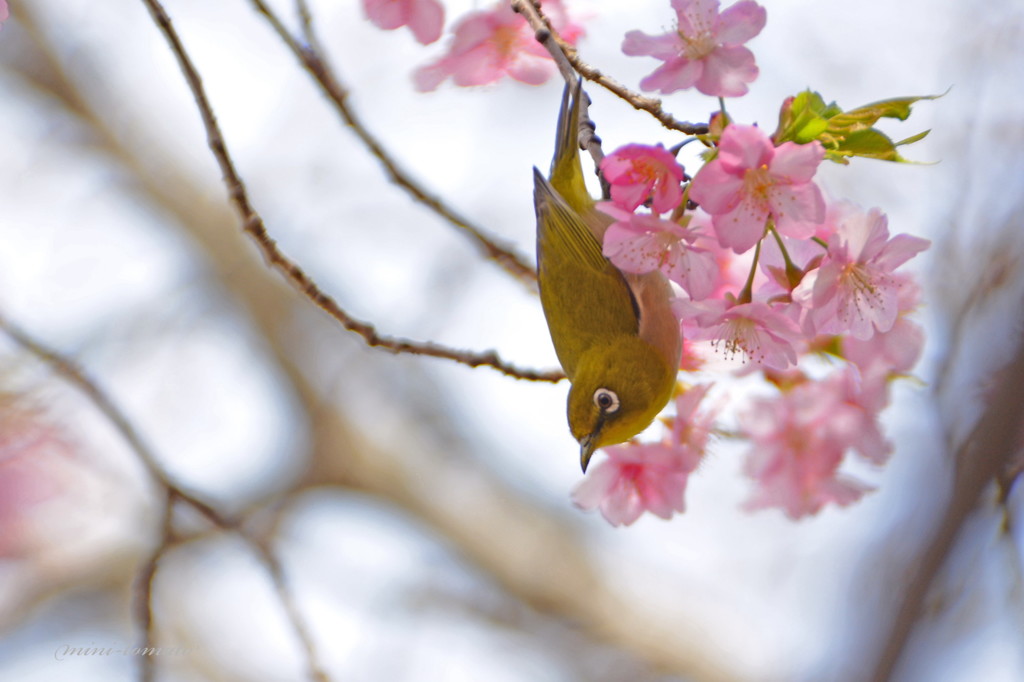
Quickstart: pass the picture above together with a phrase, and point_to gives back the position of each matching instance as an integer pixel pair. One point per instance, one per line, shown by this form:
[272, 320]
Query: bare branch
[143, 594]
[311, 59]
[252, 224]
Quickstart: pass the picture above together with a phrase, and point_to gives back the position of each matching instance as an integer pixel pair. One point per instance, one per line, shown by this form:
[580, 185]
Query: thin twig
[143, 594]
[987, 452]
[548, 36]
[252, 224]
[311, 59]
[273, 565]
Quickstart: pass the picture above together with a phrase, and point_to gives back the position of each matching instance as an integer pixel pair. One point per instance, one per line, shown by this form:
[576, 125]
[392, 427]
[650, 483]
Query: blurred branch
[311, 58]
[252, 224]
[562, 51]
[172, 492]
[143, 593]
[991, 448]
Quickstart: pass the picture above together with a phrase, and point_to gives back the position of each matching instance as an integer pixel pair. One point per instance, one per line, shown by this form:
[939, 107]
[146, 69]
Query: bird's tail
[566, 169]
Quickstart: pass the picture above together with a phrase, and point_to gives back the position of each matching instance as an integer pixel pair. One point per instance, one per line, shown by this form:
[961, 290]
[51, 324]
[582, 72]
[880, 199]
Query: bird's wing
[584, 296]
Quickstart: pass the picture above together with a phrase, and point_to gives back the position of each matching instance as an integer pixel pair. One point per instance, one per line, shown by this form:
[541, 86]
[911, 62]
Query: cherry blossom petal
[796, 163]
[637, 172]
[899, 250]
[427, 20]
[692, 269]
[727, 71]
[663, 47]
[428, 78]
[798, 209]
[716, 189]
[672, 76]
[635, 478]
[531, 70]
[387, 14]
[741, 22]
[741, 228]
[744, 147]
[632, 252]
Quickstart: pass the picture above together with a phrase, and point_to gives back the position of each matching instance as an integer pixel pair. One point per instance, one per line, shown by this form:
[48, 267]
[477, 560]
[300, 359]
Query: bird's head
[619, 388]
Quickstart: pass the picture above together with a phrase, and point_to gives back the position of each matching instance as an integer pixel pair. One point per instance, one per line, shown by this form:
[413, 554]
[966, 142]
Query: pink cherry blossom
[637, 172]
[896, 350]
[489, 44]
[798, 442]
[4, 12]
[760, 332]
[635, 478]
[856, 290]
[706, 49]
[640, 243]
[751, 181]
[863, 396]
[425, 18]
[691, 427]
[34, 454]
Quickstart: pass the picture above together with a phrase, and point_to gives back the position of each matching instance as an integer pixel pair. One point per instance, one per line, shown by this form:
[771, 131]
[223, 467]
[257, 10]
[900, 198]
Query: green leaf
[805, 117]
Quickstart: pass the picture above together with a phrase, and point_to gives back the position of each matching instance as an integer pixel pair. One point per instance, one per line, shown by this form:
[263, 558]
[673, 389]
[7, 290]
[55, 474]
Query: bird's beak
[588, 444]
[586, 451]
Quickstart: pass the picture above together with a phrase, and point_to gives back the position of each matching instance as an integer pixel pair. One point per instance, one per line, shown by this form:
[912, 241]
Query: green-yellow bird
[614, 332]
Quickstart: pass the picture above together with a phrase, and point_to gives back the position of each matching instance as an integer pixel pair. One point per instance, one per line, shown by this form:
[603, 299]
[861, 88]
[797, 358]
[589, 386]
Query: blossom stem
[746, 294]
[821, 242]
[793, 273]
[677, 214]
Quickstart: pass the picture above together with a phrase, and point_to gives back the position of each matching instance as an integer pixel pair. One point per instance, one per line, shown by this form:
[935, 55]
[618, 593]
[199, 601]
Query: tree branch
[252, 225]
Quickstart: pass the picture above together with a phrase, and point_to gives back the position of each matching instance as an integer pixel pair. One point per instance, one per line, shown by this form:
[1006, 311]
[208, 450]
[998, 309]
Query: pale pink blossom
[635, 478]
[896, 350]
[4, 12]
[425, 18]
[490, 44]
[863, 396]
[706, 49]
[798, 442]
[855, 290]
[756, 330]
[640, 243]
[33, 472]
[691, 427]
[637, 172]
[750, 181]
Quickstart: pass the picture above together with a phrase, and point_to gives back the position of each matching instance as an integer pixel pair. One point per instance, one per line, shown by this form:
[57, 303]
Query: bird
[614, 332]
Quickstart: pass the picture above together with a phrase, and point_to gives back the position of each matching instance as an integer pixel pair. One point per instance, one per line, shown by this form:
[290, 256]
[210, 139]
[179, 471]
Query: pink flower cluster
[640, 477]
[705, 51]
[768, 274]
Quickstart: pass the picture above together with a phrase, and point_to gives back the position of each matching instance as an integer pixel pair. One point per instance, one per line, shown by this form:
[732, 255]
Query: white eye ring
[606, 401]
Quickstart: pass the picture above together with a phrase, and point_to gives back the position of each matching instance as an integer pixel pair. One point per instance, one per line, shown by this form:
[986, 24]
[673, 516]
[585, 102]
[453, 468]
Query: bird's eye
[607, 401]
